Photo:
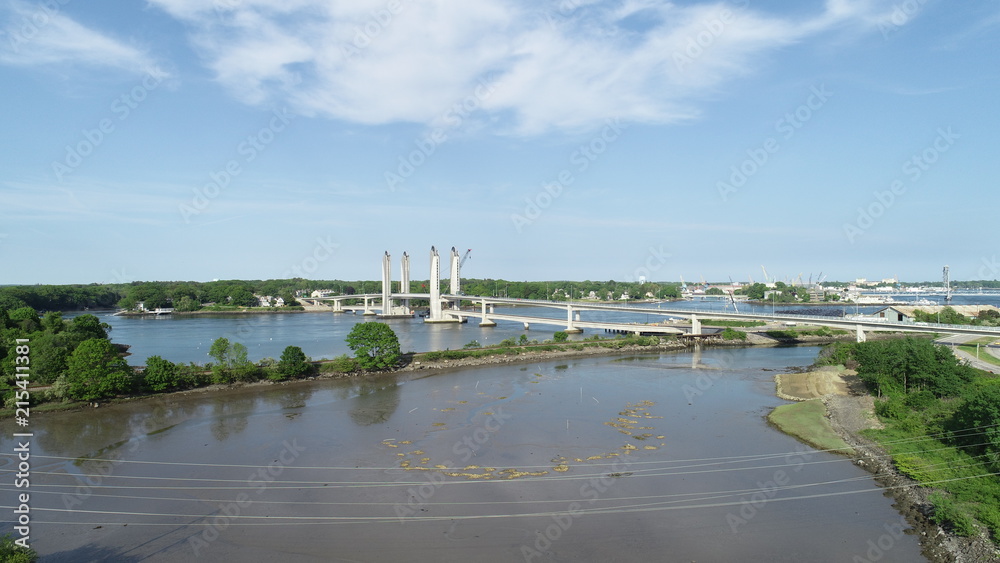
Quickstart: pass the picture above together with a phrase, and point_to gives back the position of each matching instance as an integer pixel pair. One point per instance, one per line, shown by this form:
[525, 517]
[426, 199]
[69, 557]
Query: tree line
[76, 361]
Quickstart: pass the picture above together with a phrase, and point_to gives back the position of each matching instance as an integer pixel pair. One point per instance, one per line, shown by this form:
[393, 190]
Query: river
[662, 457]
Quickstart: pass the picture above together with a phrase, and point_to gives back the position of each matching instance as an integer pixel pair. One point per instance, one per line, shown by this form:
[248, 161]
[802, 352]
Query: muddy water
[662, 458]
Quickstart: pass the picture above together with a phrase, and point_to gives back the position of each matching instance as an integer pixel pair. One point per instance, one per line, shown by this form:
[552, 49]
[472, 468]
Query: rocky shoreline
[850, 414]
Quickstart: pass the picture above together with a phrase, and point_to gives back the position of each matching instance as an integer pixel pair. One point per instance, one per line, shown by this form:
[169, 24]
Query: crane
[766, 279]
[465, 257]
[684, 285]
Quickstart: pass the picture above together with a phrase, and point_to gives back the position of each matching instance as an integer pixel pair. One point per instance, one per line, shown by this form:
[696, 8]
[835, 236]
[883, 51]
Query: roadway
[856, 322]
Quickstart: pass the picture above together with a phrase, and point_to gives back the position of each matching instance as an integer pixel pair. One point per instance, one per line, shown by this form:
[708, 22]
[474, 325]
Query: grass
[968, 493]
[807, 422]
[984, 354]
[794, 333]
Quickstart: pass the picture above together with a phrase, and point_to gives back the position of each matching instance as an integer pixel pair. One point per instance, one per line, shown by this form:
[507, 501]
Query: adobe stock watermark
[656, 259]
[590, 491]
[902, 14]
[702, 41]
[705, 380]
[580, 159]
[787, 126]
[32, 24]
[121, 108]
[465, 449]
[323, 251]
[878, 547]
[249, 149]
[258, 481]
[913, 169]
[563, 11]
[427, 145]
[750, 506]
[990, 267]
[377, 21]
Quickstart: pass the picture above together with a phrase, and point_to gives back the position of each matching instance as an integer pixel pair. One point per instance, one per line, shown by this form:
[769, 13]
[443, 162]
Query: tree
[26, 319]
[755, 292]
[186, 304]
[86, 327]
[975, 421]
[96, 371]
[160, 375]
[10, 552]
[293, 362]
[53, 322]
[375, 345]
[231, 362]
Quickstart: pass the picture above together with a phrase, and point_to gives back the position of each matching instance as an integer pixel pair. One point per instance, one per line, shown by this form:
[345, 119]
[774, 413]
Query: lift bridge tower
[946, 278]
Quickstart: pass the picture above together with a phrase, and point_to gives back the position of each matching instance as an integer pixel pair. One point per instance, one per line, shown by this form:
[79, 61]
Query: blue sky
[570, 139]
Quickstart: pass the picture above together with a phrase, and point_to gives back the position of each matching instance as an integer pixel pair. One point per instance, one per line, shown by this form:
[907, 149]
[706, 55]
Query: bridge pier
[695, 325]
[861, 334]
[368, 312]
[486, 322]
[570, 329]
[527, 326]
[338, 305]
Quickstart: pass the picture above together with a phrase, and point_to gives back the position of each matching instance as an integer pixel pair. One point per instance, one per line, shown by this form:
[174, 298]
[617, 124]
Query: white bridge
[444, 308]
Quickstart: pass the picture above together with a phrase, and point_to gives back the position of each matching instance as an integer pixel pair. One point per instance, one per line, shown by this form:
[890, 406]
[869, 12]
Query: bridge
[445, 308]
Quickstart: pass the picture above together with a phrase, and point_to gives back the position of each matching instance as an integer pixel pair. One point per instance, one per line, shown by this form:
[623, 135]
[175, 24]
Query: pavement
[954, 341]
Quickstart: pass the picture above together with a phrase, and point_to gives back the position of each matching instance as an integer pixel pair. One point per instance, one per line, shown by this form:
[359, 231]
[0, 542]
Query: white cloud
[569, 68]
[39, 34]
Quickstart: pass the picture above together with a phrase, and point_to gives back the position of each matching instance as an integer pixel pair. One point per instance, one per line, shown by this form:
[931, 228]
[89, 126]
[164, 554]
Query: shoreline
[849, 413]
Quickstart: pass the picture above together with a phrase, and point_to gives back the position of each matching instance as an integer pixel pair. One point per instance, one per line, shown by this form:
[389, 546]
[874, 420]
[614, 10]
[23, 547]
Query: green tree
[186, 304]
[95, 370]
[293, 362]
[756, 291]
[375, 345]
[161, 375]
[26, 319]
[49, 356]
[86, 327]
[713, 291]
[976, 423]
[53, 322]
[559, 336]
[220, 350]
[231, 363]
[13, 553]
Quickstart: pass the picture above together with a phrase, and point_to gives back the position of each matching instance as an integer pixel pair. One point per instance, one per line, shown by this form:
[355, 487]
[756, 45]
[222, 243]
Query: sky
[557, 139]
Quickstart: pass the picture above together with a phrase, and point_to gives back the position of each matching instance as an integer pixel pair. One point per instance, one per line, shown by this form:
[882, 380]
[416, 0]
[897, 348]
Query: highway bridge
[446, 308]
[574, 321]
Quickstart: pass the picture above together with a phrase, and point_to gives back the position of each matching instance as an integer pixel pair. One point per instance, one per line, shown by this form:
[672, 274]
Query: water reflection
[376, 400]
[229, 415]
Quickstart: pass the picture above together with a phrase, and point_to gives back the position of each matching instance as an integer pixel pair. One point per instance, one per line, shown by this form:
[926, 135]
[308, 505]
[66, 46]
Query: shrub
[473, 344]
[160, 375]
[13, 553]
[523, 340]
[560, 336]
[341, 364]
